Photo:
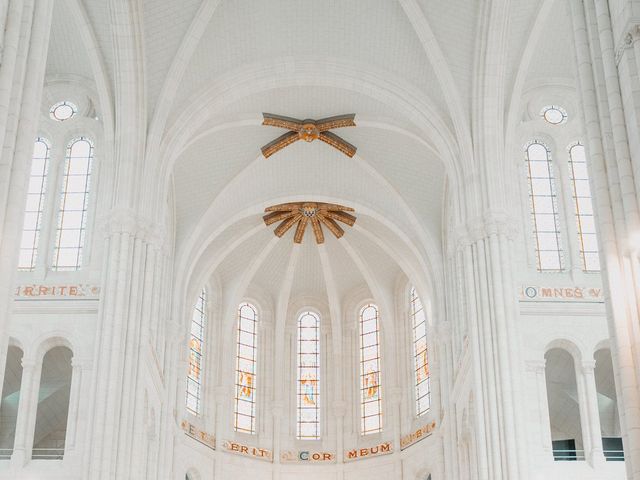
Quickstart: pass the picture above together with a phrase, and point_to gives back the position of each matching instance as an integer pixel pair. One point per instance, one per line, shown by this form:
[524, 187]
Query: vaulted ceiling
[407, 68]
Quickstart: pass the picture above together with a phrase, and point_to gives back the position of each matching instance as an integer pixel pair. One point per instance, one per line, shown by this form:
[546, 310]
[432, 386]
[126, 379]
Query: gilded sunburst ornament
[309, 131]
[303, 213]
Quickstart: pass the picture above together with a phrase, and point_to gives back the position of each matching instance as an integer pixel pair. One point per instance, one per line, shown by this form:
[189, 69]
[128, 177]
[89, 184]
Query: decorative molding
[309, 131]
[303, 213]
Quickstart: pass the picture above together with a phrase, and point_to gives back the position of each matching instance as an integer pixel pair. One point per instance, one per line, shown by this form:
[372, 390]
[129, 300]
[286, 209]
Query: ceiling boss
[303, 213]
[309, 130]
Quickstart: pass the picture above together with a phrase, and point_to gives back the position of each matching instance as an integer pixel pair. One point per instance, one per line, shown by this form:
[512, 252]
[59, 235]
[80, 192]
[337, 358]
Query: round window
[62, 111]
[554, 114]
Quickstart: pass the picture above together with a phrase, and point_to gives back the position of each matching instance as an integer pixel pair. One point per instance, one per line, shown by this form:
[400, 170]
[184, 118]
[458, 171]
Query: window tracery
[308, 377]
[74, 204]
[370, 383]
[246, 359]
[196, 341]
[35, 205]
[420, 355]
[583, 206]
[543, 203]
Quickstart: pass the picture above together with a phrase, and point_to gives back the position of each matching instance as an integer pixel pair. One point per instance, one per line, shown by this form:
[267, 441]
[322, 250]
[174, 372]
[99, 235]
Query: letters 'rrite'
[304, 212]
[309, 130]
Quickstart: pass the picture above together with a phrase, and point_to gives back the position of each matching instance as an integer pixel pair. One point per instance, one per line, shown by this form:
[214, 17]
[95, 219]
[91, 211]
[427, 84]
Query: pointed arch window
[74, 203]
[370, 382]
[308, 378]
[583, 205]
[420, 355]
[543, 203]
[35, 205]
[196, 344]
[246, 357]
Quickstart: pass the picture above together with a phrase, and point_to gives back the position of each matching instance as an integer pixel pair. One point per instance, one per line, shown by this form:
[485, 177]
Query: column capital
[588, 367]
[631, 36]
[536, 366]
[126, 220]
[478, 228]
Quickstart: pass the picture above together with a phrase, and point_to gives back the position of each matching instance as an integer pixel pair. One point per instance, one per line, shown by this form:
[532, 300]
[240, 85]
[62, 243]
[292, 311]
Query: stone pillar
[27, 410]
[494, 343]
[596, 454]
[74, 405]
[121, 353]
[606, 76]
[22, 68]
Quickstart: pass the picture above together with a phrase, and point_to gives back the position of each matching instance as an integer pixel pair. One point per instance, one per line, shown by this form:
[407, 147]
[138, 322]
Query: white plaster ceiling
[67, 55]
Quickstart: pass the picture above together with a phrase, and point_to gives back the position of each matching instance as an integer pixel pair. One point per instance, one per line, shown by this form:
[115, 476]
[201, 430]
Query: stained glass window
[420, 356]
[583, 204]
[74, 203]
[543, 203]
[35, 206]
[196, 341]
[370, 383]
[246, 356]
[308, 380]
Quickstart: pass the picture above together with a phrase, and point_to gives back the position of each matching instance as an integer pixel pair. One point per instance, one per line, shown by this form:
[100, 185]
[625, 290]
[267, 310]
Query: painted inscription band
[44, 292]
[375, 451]
[307, 456]
[532, 293]
[199, 435]
[420, 434]
[248, 451]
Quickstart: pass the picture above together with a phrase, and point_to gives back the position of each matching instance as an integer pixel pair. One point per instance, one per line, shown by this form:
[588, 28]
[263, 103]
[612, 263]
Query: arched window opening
[74, 204]
[53, 405]
[564, 408]
[196, 344]
[35, 205]
[10, 401]
[583, 205]
[543, 203]
[608, 407]
[422, 380]
[308, 378]
[246, 357]
[370, 382]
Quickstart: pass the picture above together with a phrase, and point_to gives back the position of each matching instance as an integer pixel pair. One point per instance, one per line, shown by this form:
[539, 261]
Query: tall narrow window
[370, 385]
[246, 355]
[544, 208]
[35, 206]
[74, 202]
[308, 390]
[194, 377]
[420, 357]
[583, 205]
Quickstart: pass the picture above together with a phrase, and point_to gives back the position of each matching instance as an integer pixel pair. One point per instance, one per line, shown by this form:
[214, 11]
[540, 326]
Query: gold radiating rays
[309, 130]
[304, 213]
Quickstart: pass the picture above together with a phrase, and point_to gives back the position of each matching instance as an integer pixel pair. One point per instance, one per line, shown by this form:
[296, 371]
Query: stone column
[74, 405]
[22, 68]
[615, 176]
[494, 343]
[596, 455]
[27, 410]
[121, 352]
